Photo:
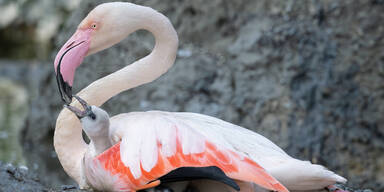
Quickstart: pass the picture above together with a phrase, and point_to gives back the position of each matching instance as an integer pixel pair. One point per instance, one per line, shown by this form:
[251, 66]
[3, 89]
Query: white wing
[232, 137]
[140, 133]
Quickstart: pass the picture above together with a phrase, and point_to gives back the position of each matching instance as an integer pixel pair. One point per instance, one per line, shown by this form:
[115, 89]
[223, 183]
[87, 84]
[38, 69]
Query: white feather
[166, 135]
[129, 148]
[148, 148]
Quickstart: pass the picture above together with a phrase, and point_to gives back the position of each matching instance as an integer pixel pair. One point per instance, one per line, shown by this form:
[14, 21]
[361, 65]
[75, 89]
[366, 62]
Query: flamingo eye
[94, 26]
[92, 116]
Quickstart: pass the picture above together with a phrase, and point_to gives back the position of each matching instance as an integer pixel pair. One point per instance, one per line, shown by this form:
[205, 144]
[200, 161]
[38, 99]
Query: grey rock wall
[306, 74]
[13, 113]
[27, 28]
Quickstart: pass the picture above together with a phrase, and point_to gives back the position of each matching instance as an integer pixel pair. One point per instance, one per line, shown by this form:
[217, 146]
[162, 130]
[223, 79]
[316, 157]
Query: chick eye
[92, 116]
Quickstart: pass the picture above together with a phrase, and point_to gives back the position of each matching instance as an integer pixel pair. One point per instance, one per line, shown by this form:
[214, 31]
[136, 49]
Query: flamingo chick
[138, 150]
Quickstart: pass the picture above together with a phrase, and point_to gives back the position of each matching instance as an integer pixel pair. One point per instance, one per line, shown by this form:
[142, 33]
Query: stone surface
[13, 113]
[20, 179]
[37, 136]
[306, 74]
[17, 179]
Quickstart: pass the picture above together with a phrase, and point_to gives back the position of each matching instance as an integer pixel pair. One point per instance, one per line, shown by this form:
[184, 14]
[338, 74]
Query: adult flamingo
[157, 143]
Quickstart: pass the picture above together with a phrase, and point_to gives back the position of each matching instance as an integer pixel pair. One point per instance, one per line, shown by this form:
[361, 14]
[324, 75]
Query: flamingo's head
[95, 120]
[104, 26]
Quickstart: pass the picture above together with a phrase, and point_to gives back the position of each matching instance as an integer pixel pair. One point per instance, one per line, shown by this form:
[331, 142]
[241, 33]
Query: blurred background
[309, 75]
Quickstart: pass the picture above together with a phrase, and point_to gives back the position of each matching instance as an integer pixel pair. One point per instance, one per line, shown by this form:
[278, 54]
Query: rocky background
[306, 74]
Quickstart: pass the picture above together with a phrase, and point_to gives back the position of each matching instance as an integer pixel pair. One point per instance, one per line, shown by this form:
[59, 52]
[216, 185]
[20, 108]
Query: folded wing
[155, 143]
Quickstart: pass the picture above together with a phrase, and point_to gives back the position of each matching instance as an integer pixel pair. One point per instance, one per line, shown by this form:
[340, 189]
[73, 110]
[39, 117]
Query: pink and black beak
[68, 59]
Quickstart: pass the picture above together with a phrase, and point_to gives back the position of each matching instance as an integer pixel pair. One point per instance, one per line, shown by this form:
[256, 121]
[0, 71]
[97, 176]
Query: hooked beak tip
[67, 98]
[64, 88]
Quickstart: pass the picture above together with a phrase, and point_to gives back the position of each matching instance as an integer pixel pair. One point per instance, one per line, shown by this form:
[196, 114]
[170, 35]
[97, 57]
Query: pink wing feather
[155, 143]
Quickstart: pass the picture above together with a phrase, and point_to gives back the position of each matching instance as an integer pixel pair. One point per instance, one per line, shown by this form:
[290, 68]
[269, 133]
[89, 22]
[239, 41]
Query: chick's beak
[79, 113]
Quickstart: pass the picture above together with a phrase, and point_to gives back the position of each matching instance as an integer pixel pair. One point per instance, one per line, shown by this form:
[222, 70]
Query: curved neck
[69, 144]
[144, 70]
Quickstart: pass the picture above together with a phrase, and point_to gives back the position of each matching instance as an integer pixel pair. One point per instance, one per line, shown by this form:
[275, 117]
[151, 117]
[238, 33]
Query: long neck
[69, 144]
[144, 70]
